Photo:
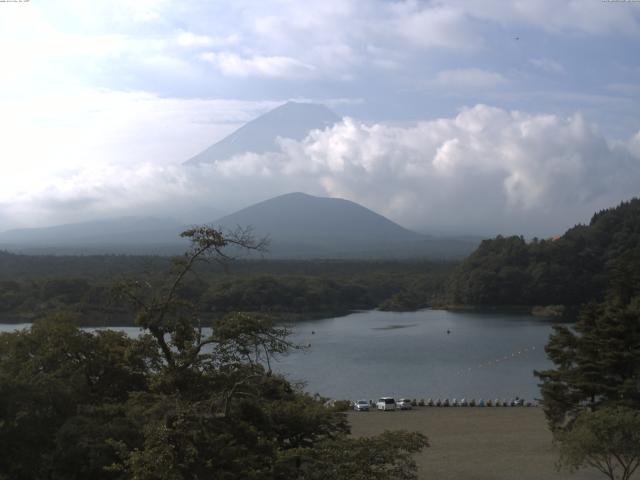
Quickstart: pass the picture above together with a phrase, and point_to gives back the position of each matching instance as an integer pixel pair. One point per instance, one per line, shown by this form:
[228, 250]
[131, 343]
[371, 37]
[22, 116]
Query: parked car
[404, 404]
[361, 405]
[386, 403]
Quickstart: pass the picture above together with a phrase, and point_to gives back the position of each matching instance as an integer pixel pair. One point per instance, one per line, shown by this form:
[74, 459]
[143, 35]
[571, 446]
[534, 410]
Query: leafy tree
[607, 439]
[385, 457]
[59, 387]
[184, 400]
[576, 268]
[597, 362]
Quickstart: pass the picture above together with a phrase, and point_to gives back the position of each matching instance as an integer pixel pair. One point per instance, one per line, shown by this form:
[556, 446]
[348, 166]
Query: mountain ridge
[294, 211]
[299, 225]
[304, 226]
[291, 120]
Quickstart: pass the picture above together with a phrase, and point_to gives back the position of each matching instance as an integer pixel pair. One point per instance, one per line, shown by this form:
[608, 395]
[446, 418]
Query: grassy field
[476, 443]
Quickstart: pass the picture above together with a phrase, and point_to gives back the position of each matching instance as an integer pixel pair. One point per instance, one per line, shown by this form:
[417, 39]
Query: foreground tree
[592, 397]
[184, 400]
[607, 439]
[387, 456]
[597, 362]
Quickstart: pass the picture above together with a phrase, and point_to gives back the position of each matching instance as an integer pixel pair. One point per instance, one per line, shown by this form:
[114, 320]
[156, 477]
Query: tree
[385, 457]
[597, 362]
[184, 400]
[62, 387]
[607, 439]
[592, 397]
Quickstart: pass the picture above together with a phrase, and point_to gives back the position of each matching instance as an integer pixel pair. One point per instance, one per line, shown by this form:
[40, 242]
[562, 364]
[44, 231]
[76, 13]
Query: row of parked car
[384, 403]
[389, 403]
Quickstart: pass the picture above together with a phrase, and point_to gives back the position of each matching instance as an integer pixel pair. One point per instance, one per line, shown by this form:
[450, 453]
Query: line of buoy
[504, 358]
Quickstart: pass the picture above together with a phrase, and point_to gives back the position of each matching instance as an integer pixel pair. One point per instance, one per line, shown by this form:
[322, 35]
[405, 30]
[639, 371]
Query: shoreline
[120, 319]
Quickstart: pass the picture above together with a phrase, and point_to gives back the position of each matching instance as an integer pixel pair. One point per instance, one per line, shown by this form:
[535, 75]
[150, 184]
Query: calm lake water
[371, 354]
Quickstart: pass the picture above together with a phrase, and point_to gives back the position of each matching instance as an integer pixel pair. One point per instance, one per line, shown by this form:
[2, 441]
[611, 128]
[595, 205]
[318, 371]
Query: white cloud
[548, 65]
[485, 170]
[465, 78]
[49, 134]
[192, 40]
[598, 17]
[634, 145]
[429, 26]
[122, 44]
[264, 66]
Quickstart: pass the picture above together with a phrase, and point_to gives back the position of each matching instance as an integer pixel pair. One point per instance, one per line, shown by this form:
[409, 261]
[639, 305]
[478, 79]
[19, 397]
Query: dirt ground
[476, 443]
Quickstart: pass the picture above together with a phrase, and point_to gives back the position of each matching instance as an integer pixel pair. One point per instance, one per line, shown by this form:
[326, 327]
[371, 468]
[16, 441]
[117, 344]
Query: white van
[386, 403]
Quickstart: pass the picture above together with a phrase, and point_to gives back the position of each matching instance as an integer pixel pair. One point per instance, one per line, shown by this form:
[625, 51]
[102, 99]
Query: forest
[576, 268]
[570, 270]
[31, 287]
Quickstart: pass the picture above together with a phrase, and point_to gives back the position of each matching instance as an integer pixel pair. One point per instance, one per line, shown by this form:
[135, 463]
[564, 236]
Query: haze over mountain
[118, 235]
[299, 226]
[292, 120]
[304, 226]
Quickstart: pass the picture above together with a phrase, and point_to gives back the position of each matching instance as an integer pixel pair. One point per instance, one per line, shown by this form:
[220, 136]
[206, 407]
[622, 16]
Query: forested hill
[582, 265]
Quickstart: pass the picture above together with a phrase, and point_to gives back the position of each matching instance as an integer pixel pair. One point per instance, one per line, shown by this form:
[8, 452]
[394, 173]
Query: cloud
[264, 66]
[47, 137]
[192, 40]
[485, 170]
[469, 78]
[429, 26]
[333, 44]
[548, 65]
[630, 89]
[634, 145]
[599, 18]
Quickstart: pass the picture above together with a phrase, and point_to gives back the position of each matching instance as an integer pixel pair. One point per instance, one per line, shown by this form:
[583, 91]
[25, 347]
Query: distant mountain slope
[300, 226]
[304, 226]
[580, 266]
[304, 216]
[291, 120]
[118, 235]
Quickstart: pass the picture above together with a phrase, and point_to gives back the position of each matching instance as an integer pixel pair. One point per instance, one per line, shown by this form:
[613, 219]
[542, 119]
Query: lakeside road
[473, 443]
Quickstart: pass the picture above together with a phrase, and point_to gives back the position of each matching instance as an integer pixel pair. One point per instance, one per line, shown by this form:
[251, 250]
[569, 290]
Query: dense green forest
[33, 286]
[578, 267]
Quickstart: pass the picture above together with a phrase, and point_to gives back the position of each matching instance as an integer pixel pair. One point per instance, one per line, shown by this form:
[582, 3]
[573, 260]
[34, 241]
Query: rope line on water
[492, 363]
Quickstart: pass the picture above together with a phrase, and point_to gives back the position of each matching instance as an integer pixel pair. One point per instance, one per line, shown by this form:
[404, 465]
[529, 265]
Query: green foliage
[385, 457]
[174, 403]
[607, 439]
[596, 362]
[51, 377]
[286, 294]
[294, 289]
[573, 269]
[342, 405]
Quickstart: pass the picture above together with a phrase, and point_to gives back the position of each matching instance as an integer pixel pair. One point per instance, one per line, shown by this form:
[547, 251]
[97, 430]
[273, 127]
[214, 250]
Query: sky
[467, 117]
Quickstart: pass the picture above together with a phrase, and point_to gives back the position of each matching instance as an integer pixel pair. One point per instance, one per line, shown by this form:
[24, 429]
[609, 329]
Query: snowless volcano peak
[291, 120]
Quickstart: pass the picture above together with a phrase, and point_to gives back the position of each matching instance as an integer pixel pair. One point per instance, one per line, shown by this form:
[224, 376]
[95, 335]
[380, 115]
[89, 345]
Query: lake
[371, 354]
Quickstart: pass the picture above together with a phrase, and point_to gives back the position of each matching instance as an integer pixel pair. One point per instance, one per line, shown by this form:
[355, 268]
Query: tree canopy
[597, 362]
[607, 439]
[183, 400]
[572, 269]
